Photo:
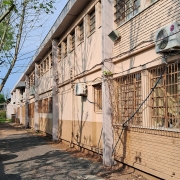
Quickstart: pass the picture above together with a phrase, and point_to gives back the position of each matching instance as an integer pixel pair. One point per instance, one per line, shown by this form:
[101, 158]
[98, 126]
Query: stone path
[25, 155]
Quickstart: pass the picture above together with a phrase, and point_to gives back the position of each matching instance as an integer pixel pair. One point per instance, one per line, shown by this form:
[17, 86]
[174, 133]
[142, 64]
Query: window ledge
[152, 130]
[98, 112]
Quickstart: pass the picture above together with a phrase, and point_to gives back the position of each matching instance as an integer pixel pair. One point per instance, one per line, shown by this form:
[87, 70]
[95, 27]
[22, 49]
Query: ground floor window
[98, 97]
[165, 100]
[128, 98]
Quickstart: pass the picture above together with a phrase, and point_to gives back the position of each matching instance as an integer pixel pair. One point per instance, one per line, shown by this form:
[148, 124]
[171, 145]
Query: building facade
[128, 104]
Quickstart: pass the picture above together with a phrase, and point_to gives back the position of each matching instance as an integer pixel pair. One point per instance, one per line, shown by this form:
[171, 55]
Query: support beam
[36, 115]
[107, 52]
[27, 101]
[55, 123]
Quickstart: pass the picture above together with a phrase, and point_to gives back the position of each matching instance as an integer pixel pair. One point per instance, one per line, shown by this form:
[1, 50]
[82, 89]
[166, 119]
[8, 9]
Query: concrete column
[27, 101]
[98, 15]
[146, 109]
[36, 115]
[55, 90]
[107, 52]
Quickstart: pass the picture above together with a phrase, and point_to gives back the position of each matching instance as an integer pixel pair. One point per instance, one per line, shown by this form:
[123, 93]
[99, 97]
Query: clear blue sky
[31, 45]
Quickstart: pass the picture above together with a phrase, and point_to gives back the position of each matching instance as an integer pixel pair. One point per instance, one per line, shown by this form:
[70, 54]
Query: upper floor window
[32, 79]
[126, 9]
[98, 97]
[65, 48]
[92, 21]
[51, 60]
[72, 40]
[60, 52]
[81, 32]
[45, 65]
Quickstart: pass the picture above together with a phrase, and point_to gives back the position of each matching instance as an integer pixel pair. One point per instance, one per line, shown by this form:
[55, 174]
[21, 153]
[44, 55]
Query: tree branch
[7, 12]
[4, 34]
[17, 46]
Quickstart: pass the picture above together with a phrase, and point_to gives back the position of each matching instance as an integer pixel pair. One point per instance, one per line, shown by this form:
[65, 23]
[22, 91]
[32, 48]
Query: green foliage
[2, 114]
[9, 40]
[107, 73]
[2, 99]
[8, 2]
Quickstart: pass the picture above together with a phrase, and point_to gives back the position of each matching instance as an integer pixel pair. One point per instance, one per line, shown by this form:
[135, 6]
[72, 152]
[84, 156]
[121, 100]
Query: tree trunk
[24, 4]
[6, 13]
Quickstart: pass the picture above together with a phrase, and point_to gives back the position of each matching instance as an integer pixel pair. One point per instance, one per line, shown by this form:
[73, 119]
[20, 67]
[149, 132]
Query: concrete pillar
[55, 90]
[27, 101]
[107, 52]
[36, 115]
[146, 88]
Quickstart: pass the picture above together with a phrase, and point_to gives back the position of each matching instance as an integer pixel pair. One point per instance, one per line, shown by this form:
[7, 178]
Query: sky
[31, 44]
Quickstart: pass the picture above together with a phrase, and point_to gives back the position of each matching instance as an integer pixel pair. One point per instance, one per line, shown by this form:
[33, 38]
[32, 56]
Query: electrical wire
[123, 125]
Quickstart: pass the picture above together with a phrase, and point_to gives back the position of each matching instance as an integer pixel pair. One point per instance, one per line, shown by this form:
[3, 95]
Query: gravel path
[25, 155]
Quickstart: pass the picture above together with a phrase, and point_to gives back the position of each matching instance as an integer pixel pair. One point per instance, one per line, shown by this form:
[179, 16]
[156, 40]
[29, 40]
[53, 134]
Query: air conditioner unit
[80, 89]
[167, 38]
[32, 91]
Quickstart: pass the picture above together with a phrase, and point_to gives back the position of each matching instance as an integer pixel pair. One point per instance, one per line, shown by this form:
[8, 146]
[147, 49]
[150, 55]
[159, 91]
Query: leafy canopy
[2, 99]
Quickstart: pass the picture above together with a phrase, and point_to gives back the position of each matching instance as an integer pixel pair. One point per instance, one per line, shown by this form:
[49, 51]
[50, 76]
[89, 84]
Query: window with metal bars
[51, 60]
[125, 9]
[47, 63]
[31, 110]
[128, 98]
[81, 33]
[65, 47]
[60, 52]
[32, 79]
[98, 97]
[72, 40]
[92, 21]
[165, 100]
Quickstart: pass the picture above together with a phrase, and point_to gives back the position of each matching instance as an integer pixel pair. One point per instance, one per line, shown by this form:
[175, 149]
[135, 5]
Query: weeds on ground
[2, 120]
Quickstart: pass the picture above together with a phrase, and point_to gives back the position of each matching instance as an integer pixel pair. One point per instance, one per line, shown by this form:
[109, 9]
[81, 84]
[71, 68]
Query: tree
[15, 26]
[2, 99]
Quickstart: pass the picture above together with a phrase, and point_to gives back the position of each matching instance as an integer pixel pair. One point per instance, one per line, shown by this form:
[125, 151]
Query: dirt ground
[20, 148]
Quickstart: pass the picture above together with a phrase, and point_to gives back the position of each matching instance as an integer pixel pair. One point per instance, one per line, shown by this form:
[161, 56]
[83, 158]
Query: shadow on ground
[24, 156]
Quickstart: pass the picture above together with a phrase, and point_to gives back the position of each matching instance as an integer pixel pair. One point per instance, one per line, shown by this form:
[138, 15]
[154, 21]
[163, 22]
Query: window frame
[122, 8]
[97, 90]
[92, 21]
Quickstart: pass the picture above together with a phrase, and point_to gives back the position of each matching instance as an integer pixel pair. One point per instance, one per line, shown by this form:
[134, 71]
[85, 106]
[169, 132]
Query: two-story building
[106, 79]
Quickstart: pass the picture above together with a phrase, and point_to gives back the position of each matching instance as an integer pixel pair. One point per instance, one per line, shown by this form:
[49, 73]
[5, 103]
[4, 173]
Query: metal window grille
[44, 62]
[128, 97]
[50, 104]
[65, 48]
[125, 9]
[32, 79]
[92, 21]
[60, 52]
[31, 110]
[81, 28]
[73, 40]
[98, 97]
[39, 106]
[47, 63]
[165, 101]
[41, 69]
[51, 61]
